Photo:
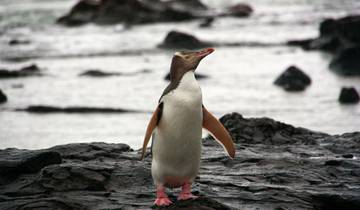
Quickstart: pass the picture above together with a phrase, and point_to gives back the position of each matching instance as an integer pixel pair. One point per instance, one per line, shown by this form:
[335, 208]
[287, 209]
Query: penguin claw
[162, 201]
[186, 196]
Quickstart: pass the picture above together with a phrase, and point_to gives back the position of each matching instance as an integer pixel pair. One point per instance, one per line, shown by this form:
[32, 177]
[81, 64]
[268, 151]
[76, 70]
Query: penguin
[176, 129]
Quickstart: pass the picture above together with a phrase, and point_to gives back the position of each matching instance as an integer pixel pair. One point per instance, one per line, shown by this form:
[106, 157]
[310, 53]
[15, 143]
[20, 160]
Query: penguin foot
[186, 196]
[165, 201]
[186, 192]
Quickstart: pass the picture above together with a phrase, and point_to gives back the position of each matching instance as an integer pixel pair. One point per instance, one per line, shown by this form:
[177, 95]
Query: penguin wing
[219, 132]
[150, 128]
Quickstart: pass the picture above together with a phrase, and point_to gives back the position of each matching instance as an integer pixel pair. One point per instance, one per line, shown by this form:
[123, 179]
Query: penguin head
[185, 61]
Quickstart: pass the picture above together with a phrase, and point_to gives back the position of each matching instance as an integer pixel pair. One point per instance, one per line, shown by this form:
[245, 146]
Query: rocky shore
[278, 166]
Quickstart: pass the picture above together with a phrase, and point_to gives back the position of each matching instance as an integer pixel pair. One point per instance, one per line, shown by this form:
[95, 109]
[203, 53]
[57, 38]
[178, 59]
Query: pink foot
[186, 196]
[161, 197]
[162, 201]
[186, 192]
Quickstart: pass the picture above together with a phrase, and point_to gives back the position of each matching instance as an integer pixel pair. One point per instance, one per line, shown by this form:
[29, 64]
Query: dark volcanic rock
[207, 22]
[277, 166]
[14, 162]
[265, 131]
[18, 42]
[240, 10]
[3, 97]
[82, 12]
[349, 95]
[75, 109]
[293, 79]
[132, 11]
[181, 40]
[347, 62]
[197, 76]
[99, 73]
[31, 70]
[335, 35]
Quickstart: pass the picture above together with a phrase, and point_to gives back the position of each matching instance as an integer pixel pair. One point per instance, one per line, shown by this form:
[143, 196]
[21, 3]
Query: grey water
[240, 78]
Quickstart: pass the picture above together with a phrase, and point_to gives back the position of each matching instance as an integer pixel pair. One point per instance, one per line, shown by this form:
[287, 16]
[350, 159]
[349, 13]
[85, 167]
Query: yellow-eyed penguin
[176, 127]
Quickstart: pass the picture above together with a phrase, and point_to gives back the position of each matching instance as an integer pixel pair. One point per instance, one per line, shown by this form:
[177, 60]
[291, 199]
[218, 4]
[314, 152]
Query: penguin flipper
[155, 118]
[219, 132]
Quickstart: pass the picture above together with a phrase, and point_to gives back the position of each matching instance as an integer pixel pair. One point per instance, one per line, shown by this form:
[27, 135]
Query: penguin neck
[188, 82]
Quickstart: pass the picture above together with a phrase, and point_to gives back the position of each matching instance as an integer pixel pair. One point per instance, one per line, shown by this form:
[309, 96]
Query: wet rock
[18, 42]
[26, 71]
[99, 73]
[197, 76]
[348, 156]
[132, 11]
[347, 62]
[202, 203]
[264, 131]
[14, 162]
[3, 97]
[181, 40]
[349, 95]
[207, 22]
[240, 10]
[284, 168]
[293, 79]
[82, 12]
[76, 109]
[335, 35]
[305, 43]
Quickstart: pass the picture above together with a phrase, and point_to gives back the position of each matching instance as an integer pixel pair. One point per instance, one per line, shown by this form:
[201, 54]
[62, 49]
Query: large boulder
[132, 11]
[349, 95]
[293, 79]
[3, 97]
[180, 40]
[347, 62]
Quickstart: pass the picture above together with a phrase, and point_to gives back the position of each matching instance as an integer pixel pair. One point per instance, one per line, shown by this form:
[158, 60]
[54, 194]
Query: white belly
[177, 139]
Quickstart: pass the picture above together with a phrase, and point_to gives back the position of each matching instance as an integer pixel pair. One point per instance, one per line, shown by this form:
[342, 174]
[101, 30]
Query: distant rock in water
[181, 40]
[75, 109]
[293, 79]
[335, 35]
[240, 10]
[197, 76]
[82, 12]
[347, 62]
[3, 97]
[99, 73]
[31, 70]
[349, 95]
[207, 22]
[18, 42]
[132, 11]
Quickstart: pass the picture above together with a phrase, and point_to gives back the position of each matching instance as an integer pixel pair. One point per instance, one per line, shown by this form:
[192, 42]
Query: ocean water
[240, 78]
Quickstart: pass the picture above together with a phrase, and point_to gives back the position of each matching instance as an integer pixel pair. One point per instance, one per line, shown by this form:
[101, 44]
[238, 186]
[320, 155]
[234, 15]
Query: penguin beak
[203, 53]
